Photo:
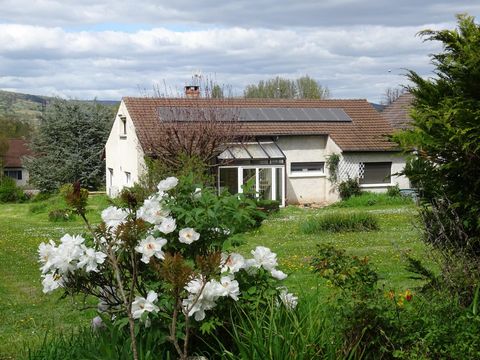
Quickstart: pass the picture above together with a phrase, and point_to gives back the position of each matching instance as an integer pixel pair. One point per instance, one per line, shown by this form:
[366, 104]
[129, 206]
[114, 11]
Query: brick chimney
[192, 91]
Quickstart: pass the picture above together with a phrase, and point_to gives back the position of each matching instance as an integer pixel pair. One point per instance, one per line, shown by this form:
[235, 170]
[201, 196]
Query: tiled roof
[366, 131]
[16, 149]
[397, 113]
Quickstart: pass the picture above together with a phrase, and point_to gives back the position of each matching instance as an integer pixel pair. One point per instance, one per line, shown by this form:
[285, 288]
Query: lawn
[27, 314]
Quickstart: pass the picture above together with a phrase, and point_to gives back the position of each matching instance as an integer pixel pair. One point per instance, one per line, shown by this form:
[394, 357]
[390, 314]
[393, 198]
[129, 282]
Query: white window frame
[128, 177]
[379, 185]
[123, 126]
[257, 177]
[303, 174]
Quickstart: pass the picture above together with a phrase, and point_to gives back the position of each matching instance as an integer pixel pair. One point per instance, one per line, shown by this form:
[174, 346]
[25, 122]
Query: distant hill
[28, 107]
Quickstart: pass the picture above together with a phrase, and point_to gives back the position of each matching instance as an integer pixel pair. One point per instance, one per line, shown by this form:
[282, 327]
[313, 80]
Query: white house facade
[285, 156]
[13, 161]
[124, 156]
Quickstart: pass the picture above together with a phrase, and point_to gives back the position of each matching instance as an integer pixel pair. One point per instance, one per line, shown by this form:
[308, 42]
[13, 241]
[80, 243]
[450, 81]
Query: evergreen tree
[69, 144]
[445, 137]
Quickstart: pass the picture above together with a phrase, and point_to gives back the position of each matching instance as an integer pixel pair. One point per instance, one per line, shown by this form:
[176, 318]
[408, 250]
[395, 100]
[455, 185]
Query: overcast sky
[109, 49]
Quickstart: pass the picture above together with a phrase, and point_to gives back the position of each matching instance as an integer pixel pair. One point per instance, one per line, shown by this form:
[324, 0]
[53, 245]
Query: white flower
[149, 247]
[75, 240]
[51, 282]
[167, 184]
[167, 226]
[196, 304]
[46, 255]
[68, 253]
[264, 257]
[151, 211]
[289, 300]
[97, 323]
[197, 193]
[232, 262]
[113, 216]
[188, 235]
[278, 274]
[90, 259]
[231, 287]
[141, 305]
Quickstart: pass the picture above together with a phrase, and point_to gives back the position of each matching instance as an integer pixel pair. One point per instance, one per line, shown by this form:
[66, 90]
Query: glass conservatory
[261, 164]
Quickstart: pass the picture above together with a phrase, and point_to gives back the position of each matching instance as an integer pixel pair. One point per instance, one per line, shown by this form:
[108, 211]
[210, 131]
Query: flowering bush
[163, 262]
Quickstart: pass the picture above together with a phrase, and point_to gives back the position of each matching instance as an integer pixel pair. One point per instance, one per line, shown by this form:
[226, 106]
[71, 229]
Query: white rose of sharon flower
[264, 257]
[141, 305]
[90, 260]
[278, 274]
[149, 247]
[167, 226]
[167, 184]
[113, 216]
[188, 236]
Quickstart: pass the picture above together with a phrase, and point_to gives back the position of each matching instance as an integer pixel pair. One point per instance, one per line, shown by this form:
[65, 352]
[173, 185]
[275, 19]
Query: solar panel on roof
[257, 114]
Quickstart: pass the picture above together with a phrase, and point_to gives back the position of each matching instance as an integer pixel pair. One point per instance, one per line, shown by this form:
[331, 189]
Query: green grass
[27, 313]
[369, 199]
[340, 222]
[398, 235]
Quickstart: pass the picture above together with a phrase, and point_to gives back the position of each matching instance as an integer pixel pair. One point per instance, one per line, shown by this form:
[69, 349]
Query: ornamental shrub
[349, 188]
[338, 222]
[163, 263]
[9, 191]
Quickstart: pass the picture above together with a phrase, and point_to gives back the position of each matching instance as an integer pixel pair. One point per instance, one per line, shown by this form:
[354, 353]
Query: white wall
[25, 175]
[306, 187]
[398, 164]
[122, 154]
[315, 187]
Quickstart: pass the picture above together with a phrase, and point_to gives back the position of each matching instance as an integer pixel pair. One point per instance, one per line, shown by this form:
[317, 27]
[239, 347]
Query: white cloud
[110, 49]
[351, 61]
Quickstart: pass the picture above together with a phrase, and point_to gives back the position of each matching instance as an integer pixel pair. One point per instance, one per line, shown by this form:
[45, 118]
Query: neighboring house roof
[17, 148]
[398, 112]
[365, 132]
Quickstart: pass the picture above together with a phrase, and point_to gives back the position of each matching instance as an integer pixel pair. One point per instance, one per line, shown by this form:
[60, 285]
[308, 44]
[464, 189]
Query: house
[398, 112]
[13, 163]
[287, 151]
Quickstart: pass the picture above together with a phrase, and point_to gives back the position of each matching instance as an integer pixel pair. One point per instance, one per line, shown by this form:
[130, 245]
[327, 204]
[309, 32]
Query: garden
[178, 271]
[34, 317]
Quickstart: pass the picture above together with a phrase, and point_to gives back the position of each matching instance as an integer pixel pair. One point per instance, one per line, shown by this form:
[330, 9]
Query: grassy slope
[26, 313]
[385, 248]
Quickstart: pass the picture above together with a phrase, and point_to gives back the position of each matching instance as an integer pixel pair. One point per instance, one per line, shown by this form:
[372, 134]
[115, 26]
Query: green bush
[10, 192]
[61, 215]
[367, 199]
[394, 191]
[338, 222]
[349, 188]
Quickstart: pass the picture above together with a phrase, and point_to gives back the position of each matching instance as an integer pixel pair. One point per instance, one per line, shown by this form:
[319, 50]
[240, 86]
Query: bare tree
[392, 94]
[195, 128]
